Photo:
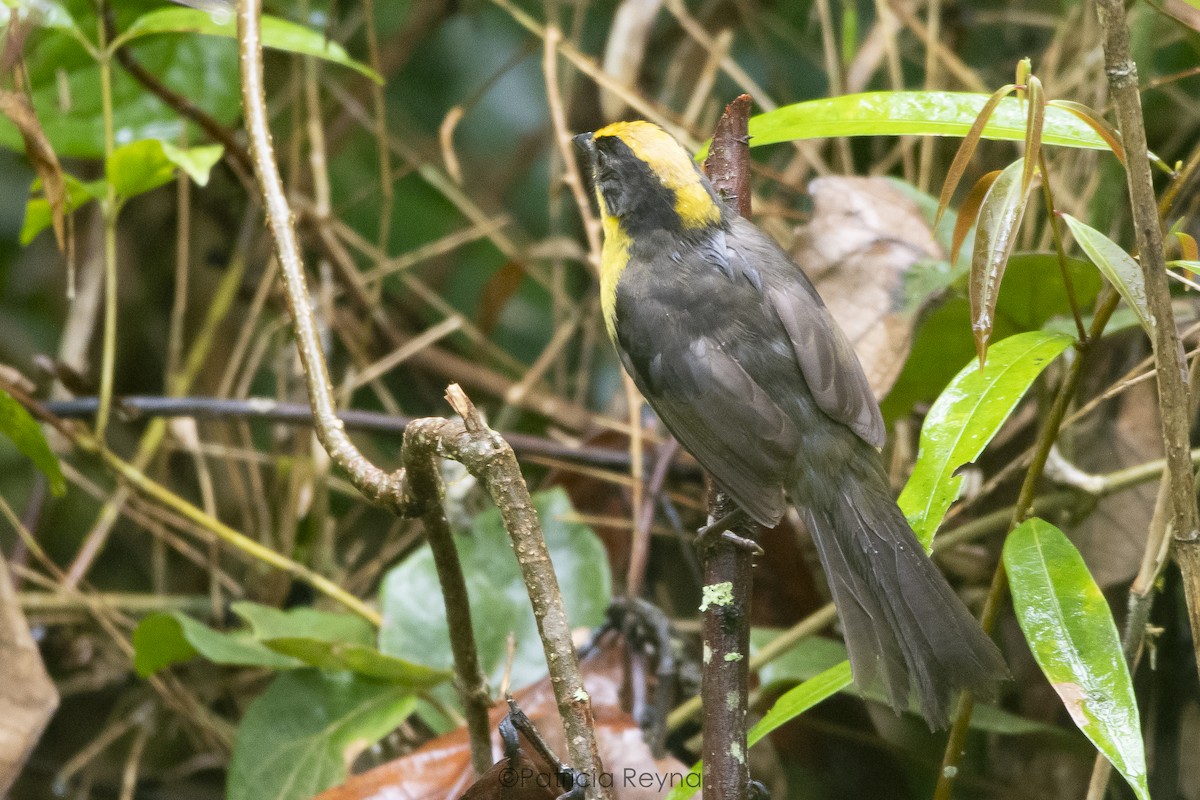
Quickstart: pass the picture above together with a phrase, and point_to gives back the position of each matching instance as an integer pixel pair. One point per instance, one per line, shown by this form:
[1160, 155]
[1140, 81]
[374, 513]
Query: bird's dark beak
[586, 145]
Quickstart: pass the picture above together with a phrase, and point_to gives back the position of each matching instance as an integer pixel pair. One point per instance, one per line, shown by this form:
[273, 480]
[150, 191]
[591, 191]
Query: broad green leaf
[204, 70]
[277, 34]
[140, 166]
[38, 215]
[45, 13]
[172, 636]
[1118, 266]
[359, 658]
[267, 622]
[965, 418]
[1034, 298]
[789, 706]
[302, 734]
[1000, 217]
[915, 113]
[414, 617]
[18, 425]
[1074, 640]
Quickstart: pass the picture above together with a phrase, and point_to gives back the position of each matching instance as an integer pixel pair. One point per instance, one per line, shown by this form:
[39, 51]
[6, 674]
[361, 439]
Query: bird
[730, 344]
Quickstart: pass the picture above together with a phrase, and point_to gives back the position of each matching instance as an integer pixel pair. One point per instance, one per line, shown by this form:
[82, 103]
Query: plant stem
[1168, 349]
[110, 211]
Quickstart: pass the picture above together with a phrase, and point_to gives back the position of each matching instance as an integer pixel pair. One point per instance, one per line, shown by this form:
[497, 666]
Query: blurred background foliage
[491, 280]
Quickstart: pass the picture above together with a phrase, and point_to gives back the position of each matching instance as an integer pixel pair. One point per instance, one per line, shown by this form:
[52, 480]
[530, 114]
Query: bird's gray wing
[714, 408]
[831, 368]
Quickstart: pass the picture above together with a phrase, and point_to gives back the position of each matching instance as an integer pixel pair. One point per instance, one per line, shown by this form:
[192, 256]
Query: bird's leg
[721, 527]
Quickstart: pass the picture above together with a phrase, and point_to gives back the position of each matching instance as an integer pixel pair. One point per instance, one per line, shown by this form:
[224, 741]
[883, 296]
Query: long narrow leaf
[1071, 633]
[995, 235]
[1033, 131]
[790, 705]
[915, 113]
[964, 419]
[968, 212]
[1117, 265]
[967, 149]
[1097, 123]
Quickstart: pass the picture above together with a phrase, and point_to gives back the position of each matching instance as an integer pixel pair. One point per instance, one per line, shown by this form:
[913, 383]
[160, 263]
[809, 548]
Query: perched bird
[731, 345]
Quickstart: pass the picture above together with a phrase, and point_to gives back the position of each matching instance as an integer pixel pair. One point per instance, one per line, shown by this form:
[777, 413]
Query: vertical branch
[1168, 348]
[420, 441]
[727, 566]
[489, 458]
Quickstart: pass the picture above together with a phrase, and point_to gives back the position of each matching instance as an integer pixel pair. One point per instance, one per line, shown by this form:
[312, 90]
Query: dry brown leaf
[27, 695]
[441, 770]
[865, 234]
[41, 155]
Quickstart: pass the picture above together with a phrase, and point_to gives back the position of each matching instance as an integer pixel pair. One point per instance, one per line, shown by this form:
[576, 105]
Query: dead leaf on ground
[864, 236]
[441, 769]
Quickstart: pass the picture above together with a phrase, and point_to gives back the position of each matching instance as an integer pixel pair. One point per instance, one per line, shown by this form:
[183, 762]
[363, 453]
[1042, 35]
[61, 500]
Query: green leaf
[414, 617]
[815, 654]
[789, 706]
[915, 113]
[277, 34]
[140, 166]
[1000, 217]
[204, 70]
[1185, 263]
[18, 425]
[1071, 632]
[1117, 265]
[965, 418]
[300, 737]
[172, 636]
[38, 215]
[45, 13]
[268, 622]
[360, 658]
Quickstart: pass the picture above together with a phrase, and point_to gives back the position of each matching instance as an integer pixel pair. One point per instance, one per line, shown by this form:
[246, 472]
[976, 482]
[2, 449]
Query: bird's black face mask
[629, 188]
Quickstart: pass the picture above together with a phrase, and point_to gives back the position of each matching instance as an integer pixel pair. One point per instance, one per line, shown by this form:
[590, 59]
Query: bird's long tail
[903, 623]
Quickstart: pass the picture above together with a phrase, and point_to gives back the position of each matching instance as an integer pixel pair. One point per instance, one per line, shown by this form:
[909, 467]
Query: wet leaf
[1118, 266]
[1074, 640]
[1000, 217]
[303, 733]
[965, 418]
[24, 431]
[915, 113]
[277, 34]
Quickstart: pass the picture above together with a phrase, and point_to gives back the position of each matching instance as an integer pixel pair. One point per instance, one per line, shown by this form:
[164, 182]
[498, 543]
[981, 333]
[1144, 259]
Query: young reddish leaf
[1033, 131]
[967, 149]
[1187, 246]
[969, 210]
[999, 218]
[1097, 123]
